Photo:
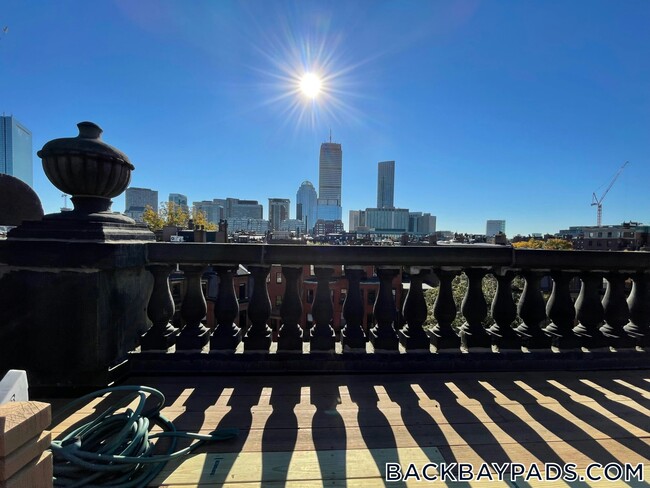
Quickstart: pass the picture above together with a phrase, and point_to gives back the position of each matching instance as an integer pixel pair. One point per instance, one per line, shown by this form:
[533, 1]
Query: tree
[560, 244]
[529, 244]
[168, 214]
[552, 244]
[200, 220]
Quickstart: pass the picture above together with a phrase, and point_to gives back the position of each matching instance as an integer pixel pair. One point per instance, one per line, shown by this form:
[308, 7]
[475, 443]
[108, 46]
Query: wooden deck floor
[341, 430]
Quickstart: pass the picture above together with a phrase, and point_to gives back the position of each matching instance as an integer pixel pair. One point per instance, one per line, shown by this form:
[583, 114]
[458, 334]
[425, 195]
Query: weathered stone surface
[18, 202]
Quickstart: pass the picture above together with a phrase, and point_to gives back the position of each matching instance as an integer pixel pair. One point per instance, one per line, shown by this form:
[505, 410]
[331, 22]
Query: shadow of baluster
[383, 335]
[322, 336]
[412, 335]
[259, 335]
[616, 311]
[353, 338]
[638, 328]
[290, 333]
[589, 311]
[227, 335]
[162, 334]
[443, 336]
[194, 335]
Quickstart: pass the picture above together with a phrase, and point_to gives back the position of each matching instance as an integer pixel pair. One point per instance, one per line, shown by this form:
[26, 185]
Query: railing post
[161, 335]
[560, 309]
[474, 309]
[352, 335]
[532, 311]
[383, 335]
[193, 309]
[589, 310]
[322, 336]
[259, 335]
[412, 335]
[638, 328]
[290, 333]
[504, 311]
[616, 310]
[226, 335]
[443, 336]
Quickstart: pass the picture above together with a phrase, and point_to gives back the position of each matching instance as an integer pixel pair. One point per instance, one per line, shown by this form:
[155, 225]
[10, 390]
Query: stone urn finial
[90, 170]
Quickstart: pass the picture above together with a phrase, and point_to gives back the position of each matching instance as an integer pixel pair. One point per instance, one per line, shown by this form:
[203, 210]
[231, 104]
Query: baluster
[161, 335]
[561, 311]
[226, 335]
[532, 311]
[322, 336]
[589, 311]
[504, 312]
[412, 335]
[194, 335]
[259, 335]
[474, 309]
[352, 335]
[290, 333]
[443, 336]
[638, 328]
[383, 335]
[616, 311]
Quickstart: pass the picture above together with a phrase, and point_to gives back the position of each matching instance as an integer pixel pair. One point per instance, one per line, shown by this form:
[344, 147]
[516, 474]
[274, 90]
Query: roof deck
[341, 430]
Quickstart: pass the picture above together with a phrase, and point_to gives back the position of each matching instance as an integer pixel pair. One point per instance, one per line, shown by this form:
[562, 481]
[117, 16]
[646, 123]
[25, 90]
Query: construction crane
[598, 202]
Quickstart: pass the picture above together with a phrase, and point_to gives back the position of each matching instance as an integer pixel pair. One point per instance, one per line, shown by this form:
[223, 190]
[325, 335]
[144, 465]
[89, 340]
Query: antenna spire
[330, 134]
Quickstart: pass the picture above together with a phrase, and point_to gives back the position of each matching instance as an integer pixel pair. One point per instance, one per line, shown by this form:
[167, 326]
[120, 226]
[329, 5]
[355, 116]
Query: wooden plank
[37, 474]
[20, 422]
[22, 456]
[291, 466]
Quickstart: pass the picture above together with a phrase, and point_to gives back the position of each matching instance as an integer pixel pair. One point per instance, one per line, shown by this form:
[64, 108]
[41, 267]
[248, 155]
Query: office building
[330, 166]
[422, 223]
[390, 220]
[385, 184]
[493, 227]
[278, 212]
[293, 225]
[306, 204]
[136, 201]
[180, 200]
[357, 219]
[247, 209]
[212, 210]
[16, 150]
[244, 224]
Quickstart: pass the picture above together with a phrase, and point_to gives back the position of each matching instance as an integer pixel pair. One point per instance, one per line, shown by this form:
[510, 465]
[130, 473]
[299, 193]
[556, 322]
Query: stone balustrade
[612, 322]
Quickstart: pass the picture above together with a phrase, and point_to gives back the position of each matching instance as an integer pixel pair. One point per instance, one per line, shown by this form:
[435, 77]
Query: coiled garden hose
[116, 449]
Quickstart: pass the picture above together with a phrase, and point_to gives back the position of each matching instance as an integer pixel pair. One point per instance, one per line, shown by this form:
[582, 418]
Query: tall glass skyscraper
[385, 184]
[329, 172]
[16, 149]
[330, 166]
[306, 201]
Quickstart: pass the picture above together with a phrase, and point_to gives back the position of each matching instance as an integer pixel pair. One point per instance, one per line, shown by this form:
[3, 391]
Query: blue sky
[514, 110]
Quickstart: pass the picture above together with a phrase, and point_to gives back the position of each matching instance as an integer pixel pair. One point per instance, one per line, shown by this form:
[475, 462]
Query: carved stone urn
[91, 171]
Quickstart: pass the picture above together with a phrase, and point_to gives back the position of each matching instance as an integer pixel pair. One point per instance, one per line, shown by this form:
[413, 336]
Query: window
[599, 244]
[372, 296]
[278, 277]
[278, 301]
[242, 292]
[609, 234]
[310, 296]
[344, 294]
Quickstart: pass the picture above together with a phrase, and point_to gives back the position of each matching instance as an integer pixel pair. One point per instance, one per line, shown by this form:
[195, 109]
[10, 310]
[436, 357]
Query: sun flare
[310, 85]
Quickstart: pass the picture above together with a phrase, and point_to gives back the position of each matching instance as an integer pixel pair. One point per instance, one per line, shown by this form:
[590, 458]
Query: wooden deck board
[298, 422]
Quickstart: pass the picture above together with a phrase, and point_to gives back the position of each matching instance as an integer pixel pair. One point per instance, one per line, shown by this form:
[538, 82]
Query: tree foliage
[169, 213]
[554, 244]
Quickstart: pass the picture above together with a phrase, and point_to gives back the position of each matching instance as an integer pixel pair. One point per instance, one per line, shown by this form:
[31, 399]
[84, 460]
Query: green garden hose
[116, 449]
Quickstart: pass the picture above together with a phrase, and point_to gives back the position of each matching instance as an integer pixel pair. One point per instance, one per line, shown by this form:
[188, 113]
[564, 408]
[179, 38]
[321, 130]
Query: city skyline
[515, 109]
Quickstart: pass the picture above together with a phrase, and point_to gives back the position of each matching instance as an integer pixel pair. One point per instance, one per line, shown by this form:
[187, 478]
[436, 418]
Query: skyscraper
[306, 202]
[330, 166]
[278, 212]
[16, 149]
[180, 200]
[137, 199]
[493, 227]
[385, 184]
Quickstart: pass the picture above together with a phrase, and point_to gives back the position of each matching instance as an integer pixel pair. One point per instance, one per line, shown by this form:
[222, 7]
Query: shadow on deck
[341, 430]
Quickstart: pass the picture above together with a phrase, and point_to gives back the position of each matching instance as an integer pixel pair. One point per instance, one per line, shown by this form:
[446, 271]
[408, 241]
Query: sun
[310, 85]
